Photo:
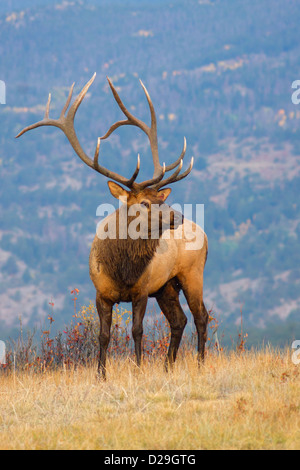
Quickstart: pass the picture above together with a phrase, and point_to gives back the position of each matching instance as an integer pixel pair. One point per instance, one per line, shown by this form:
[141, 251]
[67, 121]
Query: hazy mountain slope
[219, 73]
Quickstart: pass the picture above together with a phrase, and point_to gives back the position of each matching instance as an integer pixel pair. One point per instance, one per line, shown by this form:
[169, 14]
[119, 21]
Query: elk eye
[146, 204]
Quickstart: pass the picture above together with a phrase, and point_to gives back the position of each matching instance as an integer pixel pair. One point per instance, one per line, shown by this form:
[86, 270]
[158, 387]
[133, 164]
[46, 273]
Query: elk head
[145, 213]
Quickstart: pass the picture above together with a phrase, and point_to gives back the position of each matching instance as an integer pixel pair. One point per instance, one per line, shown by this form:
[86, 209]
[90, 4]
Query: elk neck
[125, 260]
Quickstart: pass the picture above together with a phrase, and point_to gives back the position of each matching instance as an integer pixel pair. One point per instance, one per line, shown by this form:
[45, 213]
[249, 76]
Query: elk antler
[66, 124]
[159, 171]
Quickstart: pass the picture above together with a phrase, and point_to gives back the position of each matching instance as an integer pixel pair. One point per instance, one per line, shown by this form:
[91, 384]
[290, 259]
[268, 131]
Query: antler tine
[73, 109]
[175, 177]
[67, 102]
[153, 135]
[153, 131]
[152, 110]
[177, 162]
[48, 107]
[45, 122]
[114, 127]
[135, 174]
[96, 156]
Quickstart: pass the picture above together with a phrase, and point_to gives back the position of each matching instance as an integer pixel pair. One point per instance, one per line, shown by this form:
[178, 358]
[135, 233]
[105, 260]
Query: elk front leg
[104, 309]
[138, 312]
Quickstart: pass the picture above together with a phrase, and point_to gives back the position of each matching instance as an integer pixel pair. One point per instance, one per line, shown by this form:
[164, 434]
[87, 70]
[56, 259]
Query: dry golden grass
[249, 401]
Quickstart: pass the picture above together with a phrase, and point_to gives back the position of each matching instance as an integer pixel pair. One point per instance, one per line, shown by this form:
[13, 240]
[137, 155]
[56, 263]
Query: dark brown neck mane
[124, 261]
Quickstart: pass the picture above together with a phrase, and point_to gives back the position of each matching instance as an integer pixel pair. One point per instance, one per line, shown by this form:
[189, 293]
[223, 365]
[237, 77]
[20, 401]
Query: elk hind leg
[194, 297]
[168, 300]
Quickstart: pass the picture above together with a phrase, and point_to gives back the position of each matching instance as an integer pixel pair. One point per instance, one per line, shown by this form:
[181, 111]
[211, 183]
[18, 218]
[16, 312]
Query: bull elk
[132, 270]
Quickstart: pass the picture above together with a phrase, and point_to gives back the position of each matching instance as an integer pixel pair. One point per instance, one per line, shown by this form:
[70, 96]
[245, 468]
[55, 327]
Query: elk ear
[164, 193]
[117, 191]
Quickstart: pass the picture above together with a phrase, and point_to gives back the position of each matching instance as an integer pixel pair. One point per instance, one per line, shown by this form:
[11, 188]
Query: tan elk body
[134, 269]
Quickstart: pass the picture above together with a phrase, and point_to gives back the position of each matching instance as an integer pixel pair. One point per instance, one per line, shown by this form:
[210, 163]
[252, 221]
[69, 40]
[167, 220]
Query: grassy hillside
[235, 402]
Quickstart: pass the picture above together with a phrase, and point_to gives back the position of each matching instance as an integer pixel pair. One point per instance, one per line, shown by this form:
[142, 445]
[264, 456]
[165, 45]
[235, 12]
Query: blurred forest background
[220, 73]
